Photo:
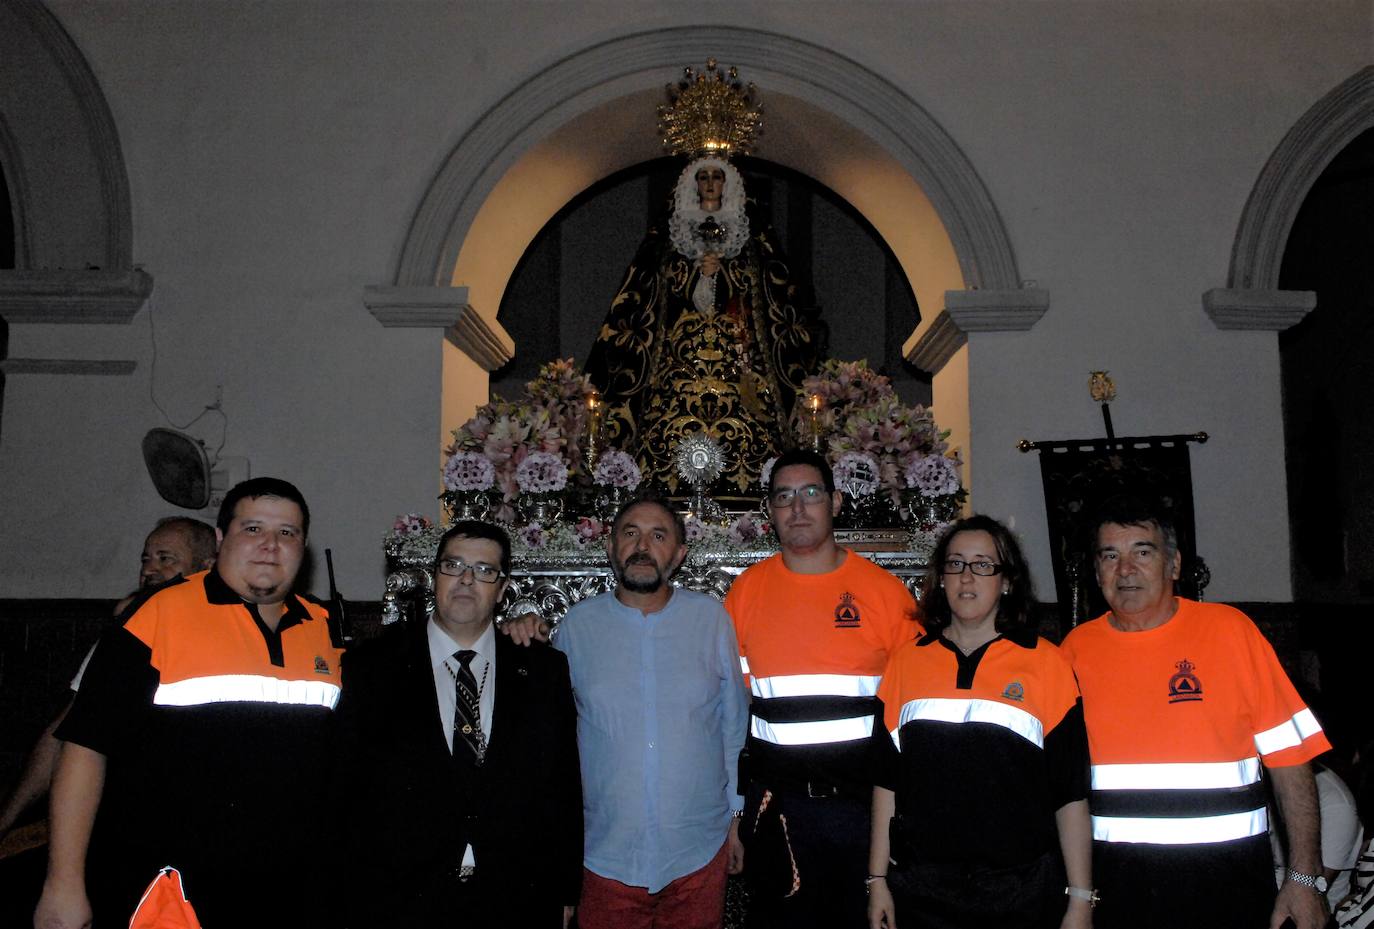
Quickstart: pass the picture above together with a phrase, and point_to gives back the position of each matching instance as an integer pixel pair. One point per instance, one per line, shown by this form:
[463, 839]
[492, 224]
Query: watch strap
[1080, 893]
[1313, 882]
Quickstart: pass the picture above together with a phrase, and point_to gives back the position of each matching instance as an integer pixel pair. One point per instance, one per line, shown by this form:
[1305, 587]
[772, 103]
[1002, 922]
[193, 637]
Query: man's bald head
[177, 545]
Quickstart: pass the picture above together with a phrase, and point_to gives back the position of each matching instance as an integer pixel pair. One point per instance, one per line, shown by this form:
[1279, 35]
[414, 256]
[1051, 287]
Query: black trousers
[1220, 885]
[443, 900]
[964, 896]
[829, 838]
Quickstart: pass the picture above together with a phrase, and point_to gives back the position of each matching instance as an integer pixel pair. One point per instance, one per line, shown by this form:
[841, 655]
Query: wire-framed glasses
[980, 568]
[457, 567]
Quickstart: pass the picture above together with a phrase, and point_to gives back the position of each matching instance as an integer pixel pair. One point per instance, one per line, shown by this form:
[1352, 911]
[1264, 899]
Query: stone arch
[61, 150]
[787, 69]
[1308, 147]
[585, 117]
[69, 190]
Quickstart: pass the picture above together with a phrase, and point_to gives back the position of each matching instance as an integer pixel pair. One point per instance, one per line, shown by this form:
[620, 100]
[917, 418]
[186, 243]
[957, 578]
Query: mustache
[641, 558]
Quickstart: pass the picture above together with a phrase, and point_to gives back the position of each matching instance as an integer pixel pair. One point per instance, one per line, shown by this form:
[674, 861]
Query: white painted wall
[277, 151]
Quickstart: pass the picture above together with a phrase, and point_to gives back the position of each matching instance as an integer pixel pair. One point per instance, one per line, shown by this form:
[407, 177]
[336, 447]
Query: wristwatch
[1081, 893]
[1314, 882]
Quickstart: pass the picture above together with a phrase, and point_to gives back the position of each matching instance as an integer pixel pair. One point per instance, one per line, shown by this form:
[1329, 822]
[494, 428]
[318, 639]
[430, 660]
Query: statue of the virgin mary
[705, 335]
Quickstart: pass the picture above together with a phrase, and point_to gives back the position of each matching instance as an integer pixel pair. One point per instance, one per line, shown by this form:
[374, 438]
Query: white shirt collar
[442, 646]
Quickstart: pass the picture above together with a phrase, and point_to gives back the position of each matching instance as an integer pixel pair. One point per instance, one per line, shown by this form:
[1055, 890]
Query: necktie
[467, 719]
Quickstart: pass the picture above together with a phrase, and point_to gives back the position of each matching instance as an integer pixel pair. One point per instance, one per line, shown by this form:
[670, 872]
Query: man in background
[177, 546]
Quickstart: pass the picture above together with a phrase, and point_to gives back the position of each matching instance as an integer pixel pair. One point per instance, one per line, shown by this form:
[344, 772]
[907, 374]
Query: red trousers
[693, 901]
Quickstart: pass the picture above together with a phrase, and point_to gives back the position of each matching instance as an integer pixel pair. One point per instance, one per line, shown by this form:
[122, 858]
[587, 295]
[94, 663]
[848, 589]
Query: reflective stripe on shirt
[814, 685]
[946, 710]
[1193, 786]
[246, 688]
[812, 733]
[1290, 732]
[1176, 776]
[1162, 830]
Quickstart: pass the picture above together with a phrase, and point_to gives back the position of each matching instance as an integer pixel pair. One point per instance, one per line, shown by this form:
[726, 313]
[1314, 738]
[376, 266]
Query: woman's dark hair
[1016, 611]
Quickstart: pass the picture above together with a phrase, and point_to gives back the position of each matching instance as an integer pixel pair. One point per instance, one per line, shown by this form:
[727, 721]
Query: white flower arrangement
[617, 469]
[856, 473]
[933, 475]
[766, 472]
[466, 471]
[541, 472]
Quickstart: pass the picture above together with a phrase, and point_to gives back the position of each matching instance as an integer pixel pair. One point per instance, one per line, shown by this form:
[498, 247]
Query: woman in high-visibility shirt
[981, 775]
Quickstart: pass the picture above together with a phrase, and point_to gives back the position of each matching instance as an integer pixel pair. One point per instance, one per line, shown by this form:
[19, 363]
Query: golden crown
[710, 112]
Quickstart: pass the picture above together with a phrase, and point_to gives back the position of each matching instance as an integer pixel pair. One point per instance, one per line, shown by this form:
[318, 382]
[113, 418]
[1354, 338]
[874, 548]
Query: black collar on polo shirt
[218, 592]
[1025, 638]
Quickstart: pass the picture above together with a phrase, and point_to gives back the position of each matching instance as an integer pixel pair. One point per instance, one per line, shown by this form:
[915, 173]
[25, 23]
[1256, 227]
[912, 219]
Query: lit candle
[593, 427]
[814, 415]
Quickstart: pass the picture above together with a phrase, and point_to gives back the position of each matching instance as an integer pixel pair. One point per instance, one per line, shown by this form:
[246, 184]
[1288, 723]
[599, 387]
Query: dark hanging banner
[1080, 475]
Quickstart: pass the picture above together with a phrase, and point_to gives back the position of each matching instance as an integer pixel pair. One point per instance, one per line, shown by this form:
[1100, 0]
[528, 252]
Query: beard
[263, 594]
[640, 585]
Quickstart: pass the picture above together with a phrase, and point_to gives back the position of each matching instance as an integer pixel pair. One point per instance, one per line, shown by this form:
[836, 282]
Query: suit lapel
[418, 685]
[512, 683]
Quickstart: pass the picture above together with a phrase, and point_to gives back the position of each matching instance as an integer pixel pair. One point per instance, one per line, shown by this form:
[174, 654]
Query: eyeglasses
[980, 568]
[457, 567]
[809, 495]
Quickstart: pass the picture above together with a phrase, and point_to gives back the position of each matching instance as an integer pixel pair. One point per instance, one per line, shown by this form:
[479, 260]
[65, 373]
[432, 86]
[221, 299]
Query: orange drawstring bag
[164, 905]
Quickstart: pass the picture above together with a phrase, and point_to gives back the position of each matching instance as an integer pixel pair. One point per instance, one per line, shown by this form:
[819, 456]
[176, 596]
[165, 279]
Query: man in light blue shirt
[661, 718]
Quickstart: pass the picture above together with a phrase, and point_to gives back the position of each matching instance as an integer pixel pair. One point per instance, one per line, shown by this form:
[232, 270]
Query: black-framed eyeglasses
[457, 567]
[809, 495]
[980, 568]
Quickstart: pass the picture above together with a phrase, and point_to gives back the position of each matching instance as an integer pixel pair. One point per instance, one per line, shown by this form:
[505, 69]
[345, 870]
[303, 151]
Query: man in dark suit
[459, 755]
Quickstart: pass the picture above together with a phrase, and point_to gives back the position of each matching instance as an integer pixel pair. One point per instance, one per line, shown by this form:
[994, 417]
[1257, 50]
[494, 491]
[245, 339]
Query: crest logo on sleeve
[1184, 687]
[1014, 691]
[847, 613]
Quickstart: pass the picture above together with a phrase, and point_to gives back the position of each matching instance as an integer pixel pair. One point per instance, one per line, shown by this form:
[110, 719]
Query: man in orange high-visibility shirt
[1186, 705]
[816, 624]
[200, 735]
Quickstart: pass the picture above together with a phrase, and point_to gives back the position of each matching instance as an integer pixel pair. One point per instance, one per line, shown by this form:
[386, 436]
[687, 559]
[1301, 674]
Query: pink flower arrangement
[534, 536]
[549, 417]
[616, 469]
[541, 473]
[933, 475]
[856, 473]
[589, 530]
[746, 530]
[861, 413]
[467, 471]
[695, 530]
[411, 524]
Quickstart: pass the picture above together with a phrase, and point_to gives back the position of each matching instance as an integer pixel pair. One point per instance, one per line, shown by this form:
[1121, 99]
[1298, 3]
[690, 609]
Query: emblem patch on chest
[847, 612]
[321, 666]
[1184, 687]
[1014, 691]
